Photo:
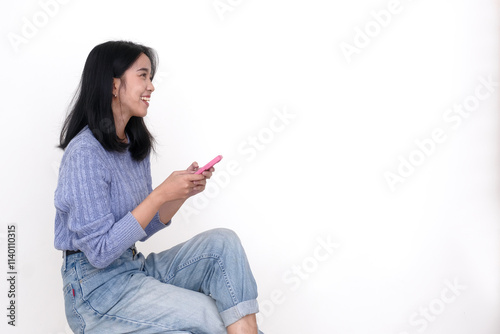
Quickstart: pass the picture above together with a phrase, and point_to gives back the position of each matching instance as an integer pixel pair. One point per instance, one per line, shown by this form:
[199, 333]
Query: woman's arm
[169, 209]
[169, 196]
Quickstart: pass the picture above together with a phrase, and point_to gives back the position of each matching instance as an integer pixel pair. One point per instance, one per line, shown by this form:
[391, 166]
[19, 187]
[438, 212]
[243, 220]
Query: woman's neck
[120, 124]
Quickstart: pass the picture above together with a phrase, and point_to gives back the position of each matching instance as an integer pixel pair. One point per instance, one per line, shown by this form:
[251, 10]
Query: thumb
[193, 167]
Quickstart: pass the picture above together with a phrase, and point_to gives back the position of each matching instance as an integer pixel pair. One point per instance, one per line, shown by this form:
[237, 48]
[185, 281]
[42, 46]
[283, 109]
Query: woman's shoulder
[85, 156]
[84, 143]
[86, 146]
[84, 139]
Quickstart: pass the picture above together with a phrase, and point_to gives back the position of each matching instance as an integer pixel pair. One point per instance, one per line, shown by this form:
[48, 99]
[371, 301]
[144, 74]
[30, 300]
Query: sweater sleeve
[155, 225]
[87, 193]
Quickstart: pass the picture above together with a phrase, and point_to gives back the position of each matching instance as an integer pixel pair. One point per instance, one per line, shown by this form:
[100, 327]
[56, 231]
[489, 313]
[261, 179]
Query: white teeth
[145, 98]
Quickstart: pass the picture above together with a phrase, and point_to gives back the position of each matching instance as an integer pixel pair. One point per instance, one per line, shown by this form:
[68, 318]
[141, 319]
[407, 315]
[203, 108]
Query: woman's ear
[116, 86]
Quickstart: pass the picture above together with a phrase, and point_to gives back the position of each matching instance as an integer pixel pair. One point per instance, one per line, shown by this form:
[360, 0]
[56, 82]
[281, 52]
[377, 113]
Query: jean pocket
[86, 270]
[74, 318]
[102, 288]
[66, 273]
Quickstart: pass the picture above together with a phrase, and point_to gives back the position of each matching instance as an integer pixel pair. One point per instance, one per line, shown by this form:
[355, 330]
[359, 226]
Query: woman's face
[133, 90]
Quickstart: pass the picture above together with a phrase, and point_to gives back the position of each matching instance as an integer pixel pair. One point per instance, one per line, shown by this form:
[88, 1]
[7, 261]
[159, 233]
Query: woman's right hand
[180, 185]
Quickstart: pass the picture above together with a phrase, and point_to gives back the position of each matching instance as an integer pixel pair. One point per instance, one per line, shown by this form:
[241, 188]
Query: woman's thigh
[121, 299]
[150, 306]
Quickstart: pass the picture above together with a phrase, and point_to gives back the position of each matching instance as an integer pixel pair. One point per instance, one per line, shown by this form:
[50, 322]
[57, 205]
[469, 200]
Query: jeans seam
[68, 272]
[228, 282]
[115, 317]
[127, 320]
[193, 260]
[73, 308]
[85, 276]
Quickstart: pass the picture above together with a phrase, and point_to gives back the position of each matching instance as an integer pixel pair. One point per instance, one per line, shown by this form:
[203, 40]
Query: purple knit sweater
[96, 192]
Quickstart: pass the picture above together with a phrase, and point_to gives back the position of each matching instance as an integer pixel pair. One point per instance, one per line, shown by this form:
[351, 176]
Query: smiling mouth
[144, 98]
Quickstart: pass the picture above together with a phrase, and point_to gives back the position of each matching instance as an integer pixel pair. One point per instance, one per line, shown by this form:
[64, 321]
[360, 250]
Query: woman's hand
[194, 167]
[200, 185]
[180, 185]
[169, 196]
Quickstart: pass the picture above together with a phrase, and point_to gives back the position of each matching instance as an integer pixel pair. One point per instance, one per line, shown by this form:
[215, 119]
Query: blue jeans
[200, 286]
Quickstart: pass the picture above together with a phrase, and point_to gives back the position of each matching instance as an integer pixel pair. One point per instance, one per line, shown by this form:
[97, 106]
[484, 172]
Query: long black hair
[91, 104]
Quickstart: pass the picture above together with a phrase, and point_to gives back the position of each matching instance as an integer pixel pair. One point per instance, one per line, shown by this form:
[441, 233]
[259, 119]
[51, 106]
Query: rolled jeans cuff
[235, 313]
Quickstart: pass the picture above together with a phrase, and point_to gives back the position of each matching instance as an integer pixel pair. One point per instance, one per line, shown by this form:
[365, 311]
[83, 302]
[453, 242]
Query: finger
[208, 173]
[198, 189]
[194, 177]
[193, 167]
[200, 182]
[183, 172]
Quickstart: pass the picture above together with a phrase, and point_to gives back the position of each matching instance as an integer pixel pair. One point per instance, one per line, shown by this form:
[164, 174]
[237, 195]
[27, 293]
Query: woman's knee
[221, 240]
[223, 236]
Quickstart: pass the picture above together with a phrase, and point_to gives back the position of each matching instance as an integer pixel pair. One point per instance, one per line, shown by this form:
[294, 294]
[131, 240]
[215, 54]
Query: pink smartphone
[209, 165]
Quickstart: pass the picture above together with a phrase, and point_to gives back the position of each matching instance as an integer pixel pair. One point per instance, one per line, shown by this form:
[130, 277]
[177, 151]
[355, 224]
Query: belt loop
[64, 261]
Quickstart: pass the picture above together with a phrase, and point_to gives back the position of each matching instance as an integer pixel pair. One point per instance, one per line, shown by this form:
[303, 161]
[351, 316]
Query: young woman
[105, 203]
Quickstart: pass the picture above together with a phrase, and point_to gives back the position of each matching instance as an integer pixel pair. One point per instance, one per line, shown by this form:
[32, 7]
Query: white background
[316, 179]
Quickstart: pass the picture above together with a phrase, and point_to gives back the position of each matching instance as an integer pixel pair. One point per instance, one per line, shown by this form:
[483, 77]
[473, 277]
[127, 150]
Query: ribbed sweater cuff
[154, 226]
[131, 230]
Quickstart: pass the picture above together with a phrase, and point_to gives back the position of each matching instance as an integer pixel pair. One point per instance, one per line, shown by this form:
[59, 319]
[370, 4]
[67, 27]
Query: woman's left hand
[200, 185]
